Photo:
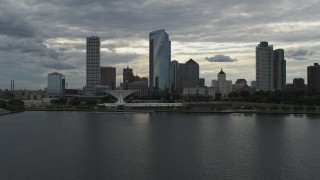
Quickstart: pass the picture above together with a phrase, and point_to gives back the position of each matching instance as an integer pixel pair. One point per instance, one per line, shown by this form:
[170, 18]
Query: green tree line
[12, 105]
[277, 97]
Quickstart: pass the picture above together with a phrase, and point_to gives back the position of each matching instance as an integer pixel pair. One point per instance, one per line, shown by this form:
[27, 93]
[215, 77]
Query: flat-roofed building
[314, 78]
[56, 85]
[108, 77]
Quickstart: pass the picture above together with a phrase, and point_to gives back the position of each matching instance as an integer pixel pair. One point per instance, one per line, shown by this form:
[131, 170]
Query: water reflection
[313, 116]
[83, 145]
[174, 146]
[268, 153]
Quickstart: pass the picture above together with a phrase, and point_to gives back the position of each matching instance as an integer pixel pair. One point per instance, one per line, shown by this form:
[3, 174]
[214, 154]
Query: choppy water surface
[81, 145]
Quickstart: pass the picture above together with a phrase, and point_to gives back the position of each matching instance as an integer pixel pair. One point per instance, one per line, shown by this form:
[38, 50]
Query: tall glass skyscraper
[159, 60]
[93, 64]
[56, 85]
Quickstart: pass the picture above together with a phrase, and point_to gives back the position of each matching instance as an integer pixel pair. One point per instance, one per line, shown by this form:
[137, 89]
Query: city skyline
[43, 37]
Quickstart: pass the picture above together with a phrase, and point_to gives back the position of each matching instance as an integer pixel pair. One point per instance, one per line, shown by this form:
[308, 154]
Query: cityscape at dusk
[146, 89]
[41, 37]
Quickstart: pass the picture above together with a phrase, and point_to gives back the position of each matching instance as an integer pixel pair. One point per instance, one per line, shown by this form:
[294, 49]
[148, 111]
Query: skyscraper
[314, 78]
[264, 66]
[56, 85]
[184, 75]
[159, 59]
[108, 77]
[279, 69]
[174, 75]
[188, 75]
[93, 64]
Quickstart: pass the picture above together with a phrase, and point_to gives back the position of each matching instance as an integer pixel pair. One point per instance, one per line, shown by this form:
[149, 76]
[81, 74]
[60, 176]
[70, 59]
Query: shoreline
[181, 112]
[103, 111]
[10, 112]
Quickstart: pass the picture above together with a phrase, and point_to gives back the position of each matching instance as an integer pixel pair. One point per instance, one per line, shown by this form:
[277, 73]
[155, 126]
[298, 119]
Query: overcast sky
[39, 37]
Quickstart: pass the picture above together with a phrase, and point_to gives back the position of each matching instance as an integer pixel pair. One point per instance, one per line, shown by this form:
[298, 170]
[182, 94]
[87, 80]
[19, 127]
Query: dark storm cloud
[39, 53]
[204, 20]
[49, 63]
[220, 58]
[41, 50]
[14, 24]
[116, 58]
[58, 66]
[300, 54]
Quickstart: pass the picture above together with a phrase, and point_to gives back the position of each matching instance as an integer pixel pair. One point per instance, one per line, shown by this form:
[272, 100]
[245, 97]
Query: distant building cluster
[172, 77]
[132, 82]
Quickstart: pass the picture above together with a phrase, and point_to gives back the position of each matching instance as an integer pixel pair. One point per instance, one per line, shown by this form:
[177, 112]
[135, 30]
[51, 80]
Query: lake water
[82, 145]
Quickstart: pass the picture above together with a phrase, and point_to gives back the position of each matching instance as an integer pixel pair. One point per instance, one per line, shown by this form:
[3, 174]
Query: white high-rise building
[159, 60]
[264, 66]
[93, 64]
[222, 85]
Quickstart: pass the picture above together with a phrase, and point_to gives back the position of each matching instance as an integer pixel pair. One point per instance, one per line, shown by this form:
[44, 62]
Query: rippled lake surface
[83, 145]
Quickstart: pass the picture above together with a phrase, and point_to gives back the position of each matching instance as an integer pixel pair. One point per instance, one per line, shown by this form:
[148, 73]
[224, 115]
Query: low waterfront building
[208, 91]
[140, 86]
[241, 84]
[298, 84]
[200, 94]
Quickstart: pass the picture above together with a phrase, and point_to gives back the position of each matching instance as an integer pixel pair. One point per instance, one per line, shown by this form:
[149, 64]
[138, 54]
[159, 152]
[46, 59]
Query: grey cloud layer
[14, 24]
[186, 20]
[115, 58]
[130, 18]
[27, 27]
